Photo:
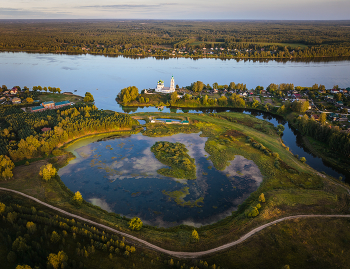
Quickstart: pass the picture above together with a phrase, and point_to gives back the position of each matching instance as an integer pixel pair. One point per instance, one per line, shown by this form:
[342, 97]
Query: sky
[179, 9]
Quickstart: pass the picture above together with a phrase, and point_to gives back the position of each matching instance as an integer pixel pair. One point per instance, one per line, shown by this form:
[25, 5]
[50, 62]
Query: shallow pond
[120, 175]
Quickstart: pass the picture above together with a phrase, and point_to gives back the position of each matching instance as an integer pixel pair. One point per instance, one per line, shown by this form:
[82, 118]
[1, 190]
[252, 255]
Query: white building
[160, 86]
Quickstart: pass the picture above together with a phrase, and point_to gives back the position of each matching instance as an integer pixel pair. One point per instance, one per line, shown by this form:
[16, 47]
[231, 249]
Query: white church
[160, 86]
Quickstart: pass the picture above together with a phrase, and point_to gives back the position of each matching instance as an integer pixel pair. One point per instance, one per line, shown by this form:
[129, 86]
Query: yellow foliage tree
[23, 267]
[195, 235]
[56, 260]
[29, 100]
[47, 171]
[55, 237]
[262, 198]
[2, 208]
[78, 198]
[31, 227]
[6, 166]
[135, 224]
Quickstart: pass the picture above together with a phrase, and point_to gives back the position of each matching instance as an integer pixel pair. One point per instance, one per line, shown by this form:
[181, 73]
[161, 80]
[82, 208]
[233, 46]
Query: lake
[119, 174]
[105, 76]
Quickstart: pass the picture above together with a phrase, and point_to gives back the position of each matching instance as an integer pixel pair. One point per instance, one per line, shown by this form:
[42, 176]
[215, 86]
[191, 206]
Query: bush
[303, 159]
[252, 212]
[135, 224]
[275, 154]
[78, 198]
[262, 198]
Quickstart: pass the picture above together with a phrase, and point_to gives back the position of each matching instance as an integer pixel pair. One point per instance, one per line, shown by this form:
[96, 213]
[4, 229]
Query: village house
[50, 105]
[333, 91]
[315, 117]
[14, 90]
[16, 100]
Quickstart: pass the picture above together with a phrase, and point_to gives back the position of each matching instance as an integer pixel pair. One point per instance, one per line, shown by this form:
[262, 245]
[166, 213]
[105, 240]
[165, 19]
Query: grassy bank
[44, 97]
[290, 186]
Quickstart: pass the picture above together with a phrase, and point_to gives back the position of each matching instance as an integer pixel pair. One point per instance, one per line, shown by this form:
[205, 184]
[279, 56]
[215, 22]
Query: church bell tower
[172, 84]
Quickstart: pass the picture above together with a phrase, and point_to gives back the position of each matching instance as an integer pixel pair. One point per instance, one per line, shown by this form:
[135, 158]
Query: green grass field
[301, 192]
[60, 97]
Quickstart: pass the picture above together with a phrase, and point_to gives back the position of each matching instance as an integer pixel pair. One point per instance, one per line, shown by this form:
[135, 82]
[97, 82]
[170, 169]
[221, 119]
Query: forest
[176, 156]
[33, 238]
[221, 39]
[22, 136]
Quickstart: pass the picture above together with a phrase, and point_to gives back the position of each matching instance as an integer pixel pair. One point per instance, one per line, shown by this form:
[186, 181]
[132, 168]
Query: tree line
[265, 39]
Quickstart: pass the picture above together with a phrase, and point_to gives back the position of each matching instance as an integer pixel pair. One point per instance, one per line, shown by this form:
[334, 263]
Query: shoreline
[296, 59]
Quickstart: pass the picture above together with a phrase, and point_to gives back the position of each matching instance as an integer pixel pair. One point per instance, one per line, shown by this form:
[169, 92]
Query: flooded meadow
[119, 174]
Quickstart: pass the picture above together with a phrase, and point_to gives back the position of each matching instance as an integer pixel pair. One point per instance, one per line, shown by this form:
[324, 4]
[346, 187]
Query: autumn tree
[252, 212]
[56, 260]
[23, 267]
[2, 208]
[29, 100]
[223, 100]
[237, 100]
[323, 118]
[195, 236]
[197, 86]
[128, 94]
[205, 100]
[47, 171]
[88, 97]
[78, 198]
[135, 224]
[31, 227]
[232, 86]
[255, 104]
[173, 98]
[262, 198]
[55, 237]
[6, 166]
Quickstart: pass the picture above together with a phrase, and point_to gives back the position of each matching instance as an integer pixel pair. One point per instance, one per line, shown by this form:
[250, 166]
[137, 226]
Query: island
[175, 155]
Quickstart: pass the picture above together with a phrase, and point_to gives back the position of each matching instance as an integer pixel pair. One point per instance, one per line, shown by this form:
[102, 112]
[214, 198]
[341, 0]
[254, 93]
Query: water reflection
[120, 175]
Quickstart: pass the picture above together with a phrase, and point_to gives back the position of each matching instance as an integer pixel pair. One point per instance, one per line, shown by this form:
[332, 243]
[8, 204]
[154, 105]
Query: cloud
[131, 6]
[29, 13]
[101, 203]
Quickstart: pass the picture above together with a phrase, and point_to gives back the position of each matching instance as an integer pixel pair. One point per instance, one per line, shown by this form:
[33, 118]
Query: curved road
[179, 254]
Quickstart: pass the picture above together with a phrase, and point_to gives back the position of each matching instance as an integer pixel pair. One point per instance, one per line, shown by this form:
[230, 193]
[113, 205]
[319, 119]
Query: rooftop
[48, 102]
[37, 107]
[62, 103]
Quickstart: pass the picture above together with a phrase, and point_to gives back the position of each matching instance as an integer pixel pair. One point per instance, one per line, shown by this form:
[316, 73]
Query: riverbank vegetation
[214, 39]
[174, 155]
[290, 187]
[295, 103]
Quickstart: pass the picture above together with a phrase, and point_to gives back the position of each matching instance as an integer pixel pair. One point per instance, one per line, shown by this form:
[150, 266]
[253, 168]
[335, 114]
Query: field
[290, 187]
[44, 97]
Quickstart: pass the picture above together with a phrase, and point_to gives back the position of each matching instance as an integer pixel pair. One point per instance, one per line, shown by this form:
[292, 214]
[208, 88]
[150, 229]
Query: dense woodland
[35, 238]
[250, 39]
[22, 138]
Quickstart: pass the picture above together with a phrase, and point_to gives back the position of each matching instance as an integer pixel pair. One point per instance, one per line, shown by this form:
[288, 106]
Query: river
[105, 76]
